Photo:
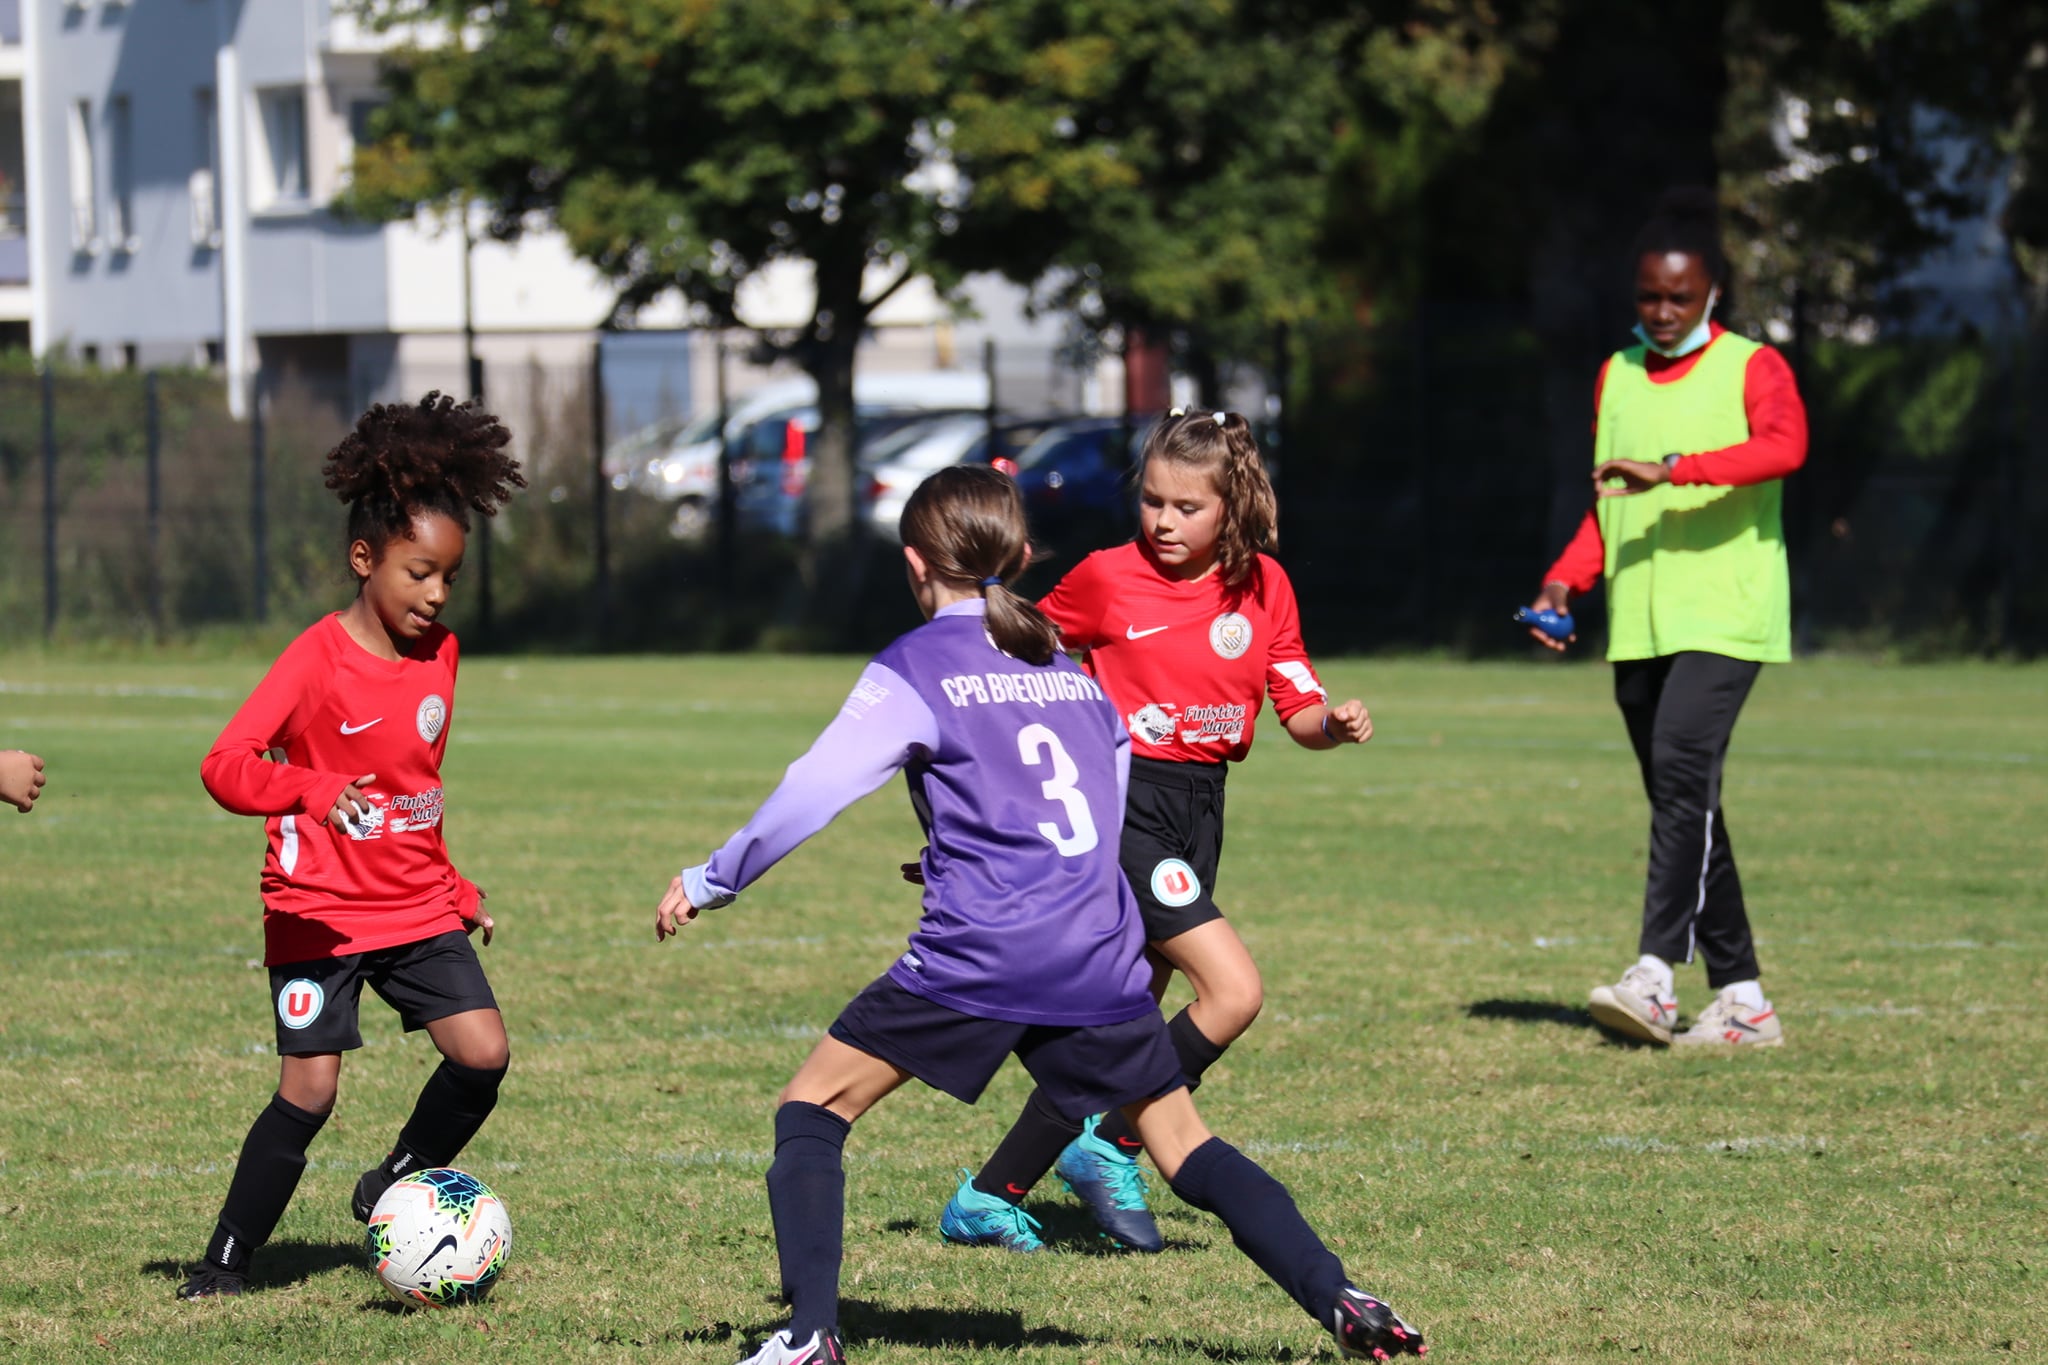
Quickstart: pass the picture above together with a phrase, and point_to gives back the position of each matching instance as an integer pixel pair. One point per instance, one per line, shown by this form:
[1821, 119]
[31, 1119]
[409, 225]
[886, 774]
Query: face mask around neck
[1691, 341]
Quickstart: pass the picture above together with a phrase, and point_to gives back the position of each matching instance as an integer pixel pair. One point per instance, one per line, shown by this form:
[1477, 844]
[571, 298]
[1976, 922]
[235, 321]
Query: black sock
[273, 1158]
[1027, 1151]
[1197, 1054]
[452, 1105]
[1264, 1223]
[807, 1199]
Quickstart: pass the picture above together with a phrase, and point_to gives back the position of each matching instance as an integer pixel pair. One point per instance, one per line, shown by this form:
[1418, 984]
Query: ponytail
[968, 523]
[1222, 445]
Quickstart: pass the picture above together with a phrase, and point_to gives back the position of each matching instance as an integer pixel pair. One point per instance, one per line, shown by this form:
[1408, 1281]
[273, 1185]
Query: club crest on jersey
[1230, 635]
[432, 716]
[300, 1002]
[1175, 883]
[367, 824]
[1152, 723]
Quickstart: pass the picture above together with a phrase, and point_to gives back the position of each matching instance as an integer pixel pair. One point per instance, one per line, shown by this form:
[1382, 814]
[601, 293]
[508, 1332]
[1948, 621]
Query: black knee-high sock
[273, 1158]
[807, 1199]
[1197, 1054]
[452, 1105]
[1264, 1223]
[1027, 1151]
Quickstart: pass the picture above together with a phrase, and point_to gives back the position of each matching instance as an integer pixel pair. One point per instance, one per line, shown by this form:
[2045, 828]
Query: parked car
[1078, 481]
[773, 479]
[891, 468]
[677, 462]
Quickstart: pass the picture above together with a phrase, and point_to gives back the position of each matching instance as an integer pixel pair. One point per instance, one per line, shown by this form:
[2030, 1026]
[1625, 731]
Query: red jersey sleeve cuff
[322, 793]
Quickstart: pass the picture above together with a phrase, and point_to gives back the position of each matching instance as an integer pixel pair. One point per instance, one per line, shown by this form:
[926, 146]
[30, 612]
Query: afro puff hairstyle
[403, 461]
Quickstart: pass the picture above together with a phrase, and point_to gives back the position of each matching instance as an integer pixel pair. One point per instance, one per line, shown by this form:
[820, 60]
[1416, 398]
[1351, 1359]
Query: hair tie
[1176, 412]
[993, 581]
[1219, 417]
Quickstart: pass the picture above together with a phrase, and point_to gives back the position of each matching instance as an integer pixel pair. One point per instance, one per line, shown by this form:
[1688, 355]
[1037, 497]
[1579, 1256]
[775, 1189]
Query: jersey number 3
[1036, 745]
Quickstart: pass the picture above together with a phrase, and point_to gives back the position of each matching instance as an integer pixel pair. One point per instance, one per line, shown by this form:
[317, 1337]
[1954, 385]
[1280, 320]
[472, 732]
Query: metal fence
[1418, 510]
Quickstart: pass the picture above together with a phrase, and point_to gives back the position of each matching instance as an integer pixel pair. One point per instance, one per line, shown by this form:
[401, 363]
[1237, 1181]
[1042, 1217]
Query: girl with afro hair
[339, 750]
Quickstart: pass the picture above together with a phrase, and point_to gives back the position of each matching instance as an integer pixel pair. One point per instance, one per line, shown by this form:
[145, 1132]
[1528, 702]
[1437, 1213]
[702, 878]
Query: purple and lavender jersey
[1017, 772]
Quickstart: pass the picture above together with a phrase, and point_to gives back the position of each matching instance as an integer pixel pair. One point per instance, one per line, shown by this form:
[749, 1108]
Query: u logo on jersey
[300, 1002]
[432, 715]
[1175, 883]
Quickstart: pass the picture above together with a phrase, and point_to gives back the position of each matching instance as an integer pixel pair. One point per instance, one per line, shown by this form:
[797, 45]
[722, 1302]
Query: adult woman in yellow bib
[1694, 433]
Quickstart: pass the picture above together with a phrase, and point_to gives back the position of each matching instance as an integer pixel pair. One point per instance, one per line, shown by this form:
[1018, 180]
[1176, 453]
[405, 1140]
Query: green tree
[1166, 163]
[683, 145]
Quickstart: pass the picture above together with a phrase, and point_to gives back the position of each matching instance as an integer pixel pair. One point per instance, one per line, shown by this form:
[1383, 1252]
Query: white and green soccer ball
[439, 1238]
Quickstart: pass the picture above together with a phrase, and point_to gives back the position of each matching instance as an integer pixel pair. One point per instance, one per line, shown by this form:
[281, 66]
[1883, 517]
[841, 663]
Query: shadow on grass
[1549, 1012]
[1229, 1354]
[281, 1263]
[1065, 1228]
[861, 1321]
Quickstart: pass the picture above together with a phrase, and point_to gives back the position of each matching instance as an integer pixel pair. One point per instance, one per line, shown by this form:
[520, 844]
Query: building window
[283, 147]
[131, 356]
[121, 163]
[85, 223]
[360, 113]
[89, 355]
[203, 186]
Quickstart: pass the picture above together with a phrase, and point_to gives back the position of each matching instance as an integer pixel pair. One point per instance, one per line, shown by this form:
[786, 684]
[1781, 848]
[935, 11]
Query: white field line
[1922, 755]
[173, 691]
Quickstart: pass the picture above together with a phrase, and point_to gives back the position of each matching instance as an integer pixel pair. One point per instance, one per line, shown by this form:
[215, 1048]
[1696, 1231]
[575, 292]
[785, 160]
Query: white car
[904, 459]
[678, 463]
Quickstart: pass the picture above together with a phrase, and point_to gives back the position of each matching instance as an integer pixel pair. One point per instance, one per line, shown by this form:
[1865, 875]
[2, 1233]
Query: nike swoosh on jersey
[348, 729]
[1133, 633]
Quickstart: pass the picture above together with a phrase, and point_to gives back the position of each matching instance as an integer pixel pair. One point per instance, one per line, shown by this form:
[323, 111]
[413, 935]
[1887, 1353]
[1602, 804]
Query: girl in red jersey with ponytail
[1189, 629]
[357, 885]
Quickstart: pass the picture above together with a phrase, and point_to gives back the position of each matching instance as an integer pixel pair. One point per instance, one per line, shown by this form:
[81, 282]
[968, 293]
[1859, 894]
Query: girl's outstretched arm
[880, 728]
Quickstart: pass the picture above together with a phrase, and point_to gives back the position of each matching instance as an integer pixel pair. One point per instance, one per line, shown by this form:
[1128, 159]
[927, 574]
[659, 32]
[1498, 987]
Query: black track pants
[1681, 710]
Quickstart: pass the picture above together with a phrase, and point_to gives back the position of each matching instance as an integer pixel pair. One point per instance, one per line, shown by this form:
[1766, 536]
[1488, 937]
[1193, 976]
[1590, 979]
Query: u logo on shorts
[300, 1002]
[1175, 883]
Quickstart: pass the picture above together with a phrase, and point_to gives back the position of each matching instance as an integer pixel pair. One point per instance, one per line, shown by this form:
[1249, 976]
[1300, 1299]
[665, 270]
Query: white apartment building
[166, 168]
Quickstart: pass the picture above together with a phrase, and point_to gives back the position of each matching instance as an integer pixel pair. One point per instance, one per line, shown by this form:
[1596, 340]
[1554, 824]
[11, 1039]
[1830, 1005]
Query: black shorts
[316, 1002]
[1173, 836]
[1083, 1070]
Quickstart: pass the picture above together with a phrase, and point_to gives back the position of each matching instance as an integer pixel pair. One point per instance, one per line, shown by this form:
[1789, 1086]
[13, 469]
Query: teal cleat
[974, 1219]
[1113, 1187]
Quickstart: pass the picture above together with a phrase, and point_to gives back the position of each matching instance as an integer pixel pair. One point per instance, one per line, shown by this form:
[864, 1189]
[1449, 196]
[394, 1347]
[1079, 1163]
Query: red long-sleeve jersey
[336, 712]
[1188, 664]
[1776, 446]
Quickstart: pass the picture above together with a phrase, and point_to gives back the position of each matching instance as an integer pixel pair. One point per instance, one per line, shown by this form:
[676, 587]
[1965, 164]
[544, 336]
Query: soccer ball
[439, 1237]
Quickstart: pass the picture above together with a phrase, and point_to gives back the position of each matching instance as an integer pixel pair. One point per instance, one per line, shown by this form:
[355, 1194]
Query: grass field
[1429, 914]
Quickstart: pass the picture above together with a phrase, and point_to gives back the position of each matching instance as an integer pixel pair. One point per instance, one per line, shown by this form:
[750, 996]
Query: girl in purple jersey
[1030, 943]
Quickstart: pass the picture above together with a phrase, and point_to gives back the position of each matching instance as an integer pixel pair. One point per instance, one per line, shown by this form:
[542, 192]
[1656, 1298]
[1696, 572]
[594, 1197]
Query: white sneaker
[1634, 1006]
[820, 1348]
[1729, 1023]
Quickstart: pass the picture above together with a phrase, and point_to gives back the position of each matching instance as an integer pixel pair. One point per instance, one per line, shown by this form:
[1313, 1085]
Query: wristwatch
[1671, 460]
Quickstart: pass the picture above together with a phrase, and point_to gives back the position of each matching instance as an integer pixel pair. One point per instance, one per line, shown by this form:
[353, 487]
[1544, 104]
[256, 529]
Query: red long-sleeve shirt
[336, 712]
[1776, 447]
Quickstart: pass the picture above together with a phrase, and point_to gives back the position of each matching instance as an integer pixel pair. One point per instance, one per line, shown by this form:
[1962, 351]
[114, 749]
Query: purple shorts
[1081, 1070]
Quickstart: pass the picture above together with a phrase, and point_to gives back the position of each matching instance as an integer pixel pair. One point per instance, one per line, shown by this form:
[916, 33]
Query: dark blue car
[1079, 483]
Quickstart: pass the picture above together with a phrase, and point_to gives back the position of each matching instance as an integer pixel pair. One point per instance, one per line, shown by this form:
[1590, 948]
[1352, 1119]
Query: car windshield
[944, 443]
[701, 428]
[1061, 443]
[887, 448]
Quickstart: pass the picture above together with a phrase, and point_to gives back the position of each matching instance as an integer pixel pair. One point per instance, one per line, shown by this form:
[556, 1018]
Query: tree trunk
[831, 542]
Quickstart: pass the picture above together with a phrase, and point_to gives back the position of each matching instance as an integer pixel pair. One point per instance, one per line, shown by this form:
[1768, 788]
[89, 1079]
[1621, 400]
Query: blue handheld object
[1557, 625]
